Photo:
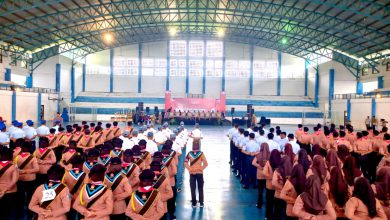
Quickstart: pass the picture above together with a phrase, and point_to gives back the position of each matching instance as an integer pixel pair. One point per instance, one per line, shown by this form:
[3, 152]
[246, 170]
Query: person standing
[9, 175]
[4, 137]
[374, 123]
[196, 163]
[367, 122]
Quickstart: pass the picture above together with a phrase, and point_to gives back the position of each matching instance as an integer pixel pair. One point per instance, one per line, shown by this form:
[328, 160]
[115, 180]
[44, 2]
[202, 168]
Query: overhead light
[378, 95]
[108, 37]
[172, 31]
[284, 41]
[220, 32]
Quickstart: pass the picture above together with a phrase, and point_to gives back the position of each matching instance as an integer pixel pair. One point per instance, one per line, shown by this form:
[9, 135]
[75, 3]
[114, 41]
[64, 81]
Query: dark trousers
[8, 206]
[250, 171]
[261, 187]
[171, 203]
[118, 217]
[280, 208]
[242, 164]
[41, 179]
[269, 196]
[235, 159]
[71, 214]
[165, 217]
[291, 218]
[25, 191]
[231, 151]
[371, 162]
[196, 179]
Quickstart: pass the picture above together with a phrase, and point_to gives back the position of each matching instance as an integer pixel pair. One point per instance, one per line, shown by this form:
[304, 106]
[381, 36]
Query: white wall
[44, 75]
[98, 83]
[50, 106]
[6, 105]
[292, 66]
[26, 106]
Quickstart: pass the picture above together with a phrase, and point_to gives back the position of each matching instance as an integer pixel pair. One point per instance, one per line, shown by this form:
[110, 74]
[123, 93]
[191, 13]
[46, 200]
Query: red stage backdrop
[184, 104]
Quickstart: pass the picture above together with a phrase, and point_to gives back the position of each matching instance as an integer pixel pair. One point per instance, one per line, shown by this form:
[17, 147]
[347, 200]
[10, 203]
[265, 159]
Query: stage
[200, 121]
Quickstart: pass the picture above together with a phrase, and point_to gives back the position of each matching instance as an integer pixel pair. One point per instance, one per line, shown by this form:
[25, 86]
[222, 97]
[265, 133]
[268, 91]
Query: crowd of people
[193, 114]
[329, 173]
[87, 171]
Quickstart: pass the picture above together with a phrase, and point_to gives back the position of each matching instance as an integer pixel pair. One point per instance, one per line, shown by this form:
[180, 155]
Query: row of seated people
[194, 114]
[319, 175]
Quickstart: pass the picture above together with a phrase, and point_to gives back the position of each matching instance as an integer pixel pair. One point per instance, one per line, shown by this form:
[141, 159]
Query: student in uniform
[162, 184]
[108, 133]
[293, 187]
[270, 167]
[68, 154]
[305, 139]
[95, 200]
[313, 203]
[381, 188]
[9, 175]
[28, 168]
[98, 137]
[105, 157]
[120, 188]
[129, 169]
[45, 157]
[303, 159]
[259, 162]
[87, 141]
[145, 155]
[18, 132]
[74, 179]
[30, 132]
[351, 171]
[67, 138]
[4, 137]
[146, 202]
[169, 163]
[91, 160]
[116, 131]
[56, 207]
[363, 204]
[338, 191]
[250, 149]
[196, 163]
[78, 135]
[279, 178]
[117, 150]
[53, 140]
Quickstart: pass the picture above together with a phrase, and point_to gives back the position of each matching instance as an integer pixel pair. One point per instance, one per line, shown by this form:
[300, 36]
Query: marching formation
[89, 171]
[332, 173]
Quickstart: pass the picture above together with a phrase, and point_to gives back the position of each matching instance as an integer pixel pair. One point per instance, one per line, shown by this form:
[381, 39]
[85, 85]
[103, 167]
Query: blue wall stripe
[373, 107]
[140, 68]
[380, 82]
[251, 55]
[110, 111]
[111, 70]
[306, 75]
[72, 82]
[331, 91]
[187, 70]
[349, 110]
[204, 68]
[279, 72]
[13, 111]
[7, 75]
[84, 73]
[359, 88]
[268, 102]
[317, 86]
[168, 66]
[29, 81]
[39, 107]
[223, 66]
[58, 77]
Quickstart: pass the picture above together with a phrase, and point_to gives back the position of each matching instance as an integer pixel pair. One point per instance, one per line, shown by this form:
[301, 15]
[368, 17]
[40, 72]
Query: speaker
[232, 110]
[252, 111]
[155, 108]
[140, 106]
[147, 110]
[248, 108]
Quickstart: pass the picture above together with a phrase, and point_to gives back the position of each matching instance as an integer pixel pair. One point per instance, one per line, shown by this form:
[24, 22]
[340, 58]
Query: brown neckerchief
[116, 183]
[196, 159]
[44, 155]
[58, 190]
[70, 159]
[70, 139]
[148, 203]
[21, 167]
[4, 169]
[52, 140]
[90, 203]
[159, 182]
[78, 183]
[131, 170]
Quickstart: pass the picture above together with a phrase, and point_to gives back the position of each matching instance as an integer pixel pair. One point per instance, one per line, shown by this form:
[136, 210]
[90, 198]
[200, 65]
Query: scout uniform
[116, 131]
[195, 163]
[121, 190]
[66, 139]
[58, 206]
[46, 158]
[162, 184]
[86, 142]
[99, 138]
[77, 136]
[74, 179]
[9, 175]
[108, 134]
[88, 166]
[131, 171]
[116, 152]
[67, 158]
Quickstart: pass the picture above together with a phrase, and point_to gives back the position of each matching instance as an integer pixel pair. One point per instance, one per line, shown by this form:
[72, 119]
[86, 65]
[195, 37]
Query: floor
[224, 196]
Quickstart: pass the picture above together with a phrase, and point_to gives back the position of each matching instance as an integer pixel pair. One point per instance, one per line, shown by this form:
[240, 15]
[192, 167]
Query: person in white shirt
[29, 130]
[151, 146]
[262, 138]
[4, 138]
[57, 124]
[175, 146]
[283, 140]
[159, 137]
[293, 143]
[250, 149]
[166, 131]
[18, 132]
[13, 127]
[134, 137]
[196, 133]
[127, 143]
[141, 135]
[277, 136]
[43, 130]
[271, 143]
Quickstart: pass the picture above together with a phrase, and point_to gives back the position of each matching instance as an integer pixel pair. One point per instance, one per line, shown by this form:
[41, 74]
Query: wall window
[196, 49]
[125, 66]
[237, 68]
[195, 68]
[178, 67]
[265, 69]
[18, 79]
[154, 67]
[370, 86]
[214, 49]
[214, 68]
[178, 48]
[97, 70]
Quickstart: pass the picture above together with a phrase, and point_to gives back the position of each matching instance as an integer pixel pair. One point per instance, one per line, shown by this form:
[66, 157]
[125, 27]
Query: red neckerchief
[318, 133]
[305, 133]
[4, 163]
[365, 138]
[115, 126]
[105, 155]
[144, 190]
[124, 164]
[71, 151]
[299, 129]
[92, 128]
[68, 134]
[98, 183]
[86, 137]
[328, 137]
[24, 154]
[377, 137]
[387, 141]
[78, 133]
[17, 149]
[97, 133]
[342, 139]
[42, 150]
[51, 136]
[107, 129]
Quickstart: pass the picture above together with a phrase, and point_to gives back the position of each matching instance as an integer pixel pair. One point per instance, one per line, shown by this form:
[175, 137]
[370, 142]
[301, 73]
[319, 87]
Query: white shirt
[295, 146]
[43, 130]
[11, 129]
[17, 133]
[251, 146]
[282, 142]
[142, 137]
[4, 138]
[134, 140]
[243, 141]
[176, 147]
[196, 133]
[276, 138]
[231, 132]
[29, 131]
[159, 137]
[127, 143]
[261, 139]
[56, 127]
[151, 147]
[273, 145]
[167, 133]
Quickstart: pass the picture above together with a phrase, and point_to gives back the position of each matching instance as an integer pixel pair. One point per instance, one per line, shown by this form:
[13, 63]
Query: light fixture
[108, 37]
[284, 41]
[220, 32]
[378, 95]
[172, 31]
